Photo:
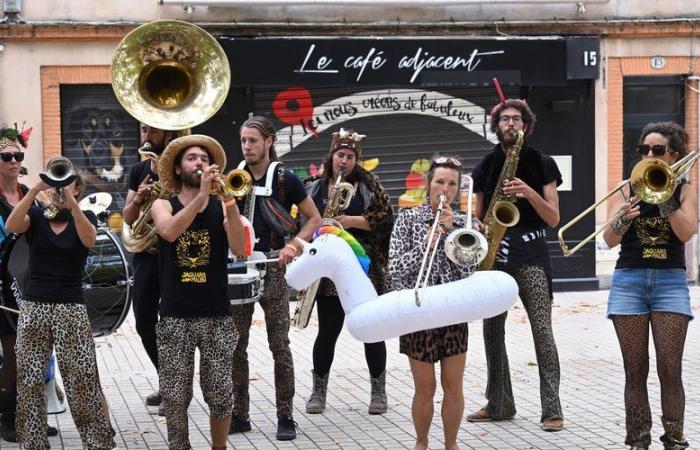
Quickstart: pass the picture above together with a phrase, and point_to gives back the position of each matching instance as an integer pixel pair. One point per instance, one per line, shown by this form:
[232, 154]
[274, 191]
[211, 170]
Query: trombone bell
[653, 181]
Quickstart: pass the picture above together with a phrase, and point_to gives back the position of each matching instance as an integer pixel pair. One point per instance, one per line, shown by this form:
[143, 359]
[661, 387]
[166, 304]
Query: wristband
[230, 202]
[292, 246]
[668, 207]
[620, 225]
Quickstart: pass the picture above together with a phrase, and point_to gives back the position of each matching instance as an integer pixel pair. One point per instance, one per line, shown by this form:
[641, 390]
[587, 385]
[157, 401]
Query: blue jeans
[641, 291]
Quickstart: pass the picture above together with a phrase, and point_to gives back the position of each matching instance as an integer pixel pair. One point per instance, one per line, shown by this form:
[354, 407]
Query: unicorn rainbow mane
[350, 239]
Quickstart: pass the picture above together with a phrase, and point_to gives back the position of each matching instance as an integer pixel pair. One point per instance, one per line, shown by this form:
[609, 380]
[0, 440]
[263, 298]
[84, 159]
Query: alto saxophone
[338, 200]
[502, 212]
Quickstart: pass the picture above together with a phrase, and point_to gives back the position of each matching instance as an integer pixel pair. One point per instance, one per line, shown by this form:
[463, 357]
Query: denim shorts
[641, 291]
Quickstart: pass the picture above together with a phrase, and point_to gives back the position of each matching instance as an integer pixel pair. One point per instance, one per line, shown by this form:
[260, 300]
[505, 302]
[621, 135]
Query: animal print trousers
[177, 340]
[66, 326]
[534, 292]
[275, 303]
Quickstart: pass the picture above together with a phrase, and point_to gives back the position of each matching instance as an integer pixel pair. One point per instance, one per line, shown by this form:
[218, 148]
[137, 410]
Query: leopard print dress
[408, 243]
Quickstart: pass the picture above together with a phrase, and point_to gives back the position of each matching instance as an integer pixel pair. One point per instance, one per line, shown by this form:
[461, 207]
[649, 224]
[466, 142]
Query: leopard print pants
[275, 303]
[66, 326]
[177, 340]
[534, 292]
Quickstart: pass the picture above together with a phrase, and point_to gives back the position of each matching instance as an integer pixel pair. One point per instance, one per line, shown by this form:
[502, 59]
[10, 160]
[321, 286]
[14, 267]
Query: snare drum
[244, 288]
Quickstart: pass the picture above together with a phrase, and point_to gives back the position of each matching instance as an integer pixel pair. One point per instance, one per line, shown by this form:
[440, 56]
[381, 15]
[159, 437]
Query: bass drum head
[106, 282]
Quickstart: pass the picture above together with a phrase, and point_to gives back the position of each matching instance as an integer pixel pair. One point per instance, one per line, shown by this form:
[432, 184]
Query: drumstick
[9, 309]
[262, 261]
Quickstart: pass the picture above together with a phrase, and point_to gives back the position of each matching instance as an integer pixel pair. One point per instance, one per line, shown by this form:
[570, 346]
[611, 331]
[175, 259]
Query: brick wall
[51, 79]
[618, 68]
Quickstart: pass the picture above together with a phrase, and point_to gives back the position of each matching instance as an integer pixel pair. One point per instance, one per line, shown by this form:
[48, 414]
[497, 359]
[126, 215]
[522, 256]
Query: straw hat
[166, 172]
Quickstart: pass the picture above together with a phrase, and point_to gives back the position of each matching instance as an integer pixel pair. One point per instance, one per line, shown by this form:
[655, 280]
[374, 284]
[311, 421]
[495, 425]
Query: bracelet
[620, 225]
[668, 207]
[230, 202]
[292, 246]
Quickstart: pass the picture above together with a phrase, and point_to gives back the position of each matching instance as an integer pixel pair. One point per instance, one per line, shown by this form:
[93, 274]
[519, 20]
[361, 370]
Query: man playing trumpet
[195, 231]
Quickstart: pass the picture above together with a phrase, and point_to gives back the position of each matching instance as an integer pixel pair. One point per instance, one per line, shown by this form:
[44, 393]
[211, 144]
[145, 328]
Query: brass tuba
[502, 212]
[171, 75]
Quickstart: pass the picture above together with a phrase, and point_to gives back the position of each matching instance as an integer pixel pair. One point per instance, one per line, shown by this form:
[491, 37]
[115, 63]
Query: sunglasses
[445, 161]
[657, 150]
[7, 156]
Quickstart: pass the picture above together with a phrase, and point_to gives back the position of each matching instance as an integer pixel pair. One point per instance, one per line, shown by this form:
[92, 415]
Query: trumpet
[652, 181]
[237, 183]
[59, 173]
[423, 275]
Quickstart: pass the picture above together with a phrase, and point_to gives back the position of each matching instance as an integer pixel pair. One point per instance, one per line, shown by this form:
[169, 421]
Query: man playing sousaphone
[195, 231]
[146, 298]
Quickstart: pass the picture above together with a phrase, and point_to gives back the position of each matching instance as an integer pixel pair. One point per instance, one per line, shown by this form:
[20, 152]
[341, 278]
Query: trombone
[652, 181]
[423, 276]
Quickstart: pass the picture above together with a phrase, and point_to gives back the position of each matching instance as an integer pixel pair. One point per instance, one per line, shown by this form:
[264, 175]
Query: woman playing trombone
[447, 345]
[53, 313]
[649, 287]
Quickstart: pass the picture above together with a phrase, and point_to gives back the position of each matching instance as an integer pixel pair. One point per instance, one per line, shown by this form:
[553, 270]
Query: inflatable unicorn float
[336, 254]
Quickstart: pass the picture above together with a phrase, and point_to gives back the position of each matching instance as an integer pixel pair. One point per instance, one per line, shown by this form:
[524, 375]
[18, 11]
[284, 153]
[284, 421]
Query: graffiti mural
[405, 128]
[101, 142]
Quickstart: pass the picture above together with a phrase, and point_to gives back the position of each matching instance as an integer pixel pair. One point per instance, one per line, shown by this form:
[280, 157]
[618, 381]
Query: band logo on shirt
[193, 250]
[654, 234]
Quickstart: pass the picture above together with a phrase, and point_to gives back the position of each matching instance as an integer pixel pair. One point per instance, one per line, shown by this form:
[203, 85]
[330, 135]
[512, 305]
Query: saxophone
[141, 235]
[338, 200]
[502, 212]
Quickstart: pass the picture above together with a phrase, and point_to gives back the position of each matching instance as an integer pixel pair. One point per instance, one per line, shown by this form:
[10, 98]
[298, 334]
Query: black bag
[276, 216]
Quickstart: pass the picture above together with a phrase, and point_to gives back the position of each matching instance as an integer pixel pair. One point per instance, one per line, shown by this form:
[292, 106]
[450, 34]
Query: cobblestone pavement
[591, 390]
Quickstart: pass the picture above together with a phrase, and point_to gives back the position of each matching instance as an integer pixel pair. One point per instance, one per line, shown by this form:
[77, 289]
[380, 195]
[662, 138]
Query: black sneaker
[239, 425]
[286, 428]
[154, 399]
[51, 431]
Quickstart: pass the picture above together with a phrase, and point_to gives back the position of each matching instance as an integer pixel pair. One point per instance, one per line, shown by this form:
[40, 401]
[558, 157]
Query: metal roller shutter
[404, 126]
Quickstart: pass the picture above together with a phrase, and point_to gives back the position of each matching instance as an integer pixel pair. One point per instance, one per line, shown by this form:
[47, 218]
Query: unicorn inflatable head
[337, 255]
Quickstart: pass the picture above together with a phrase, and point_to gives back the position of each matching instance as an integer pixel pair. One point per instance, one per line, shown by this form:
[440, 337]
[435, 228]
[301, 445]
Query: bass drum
[106, 283]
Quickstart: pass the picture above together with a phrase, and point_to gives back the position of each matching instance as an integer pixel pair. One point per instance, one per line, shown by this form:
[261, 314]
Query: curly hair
[676, 135]
[529, 117]
[266, 129]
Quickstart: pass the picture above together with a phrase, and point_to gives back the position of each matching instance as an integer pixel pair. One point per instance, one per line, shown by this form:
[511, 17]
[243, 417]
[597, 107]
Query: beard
[507, 138]
[157, 148]
[190, 180]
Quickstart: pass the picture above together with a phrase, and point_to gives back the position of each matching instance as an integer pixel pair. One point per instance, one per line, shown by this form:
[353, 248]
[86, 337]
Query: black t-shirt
[525, 242]
[534, 168]
[356, 208]
[56, 261]
[650, 243]
[138, 173]
[193, 274]
[294, 193]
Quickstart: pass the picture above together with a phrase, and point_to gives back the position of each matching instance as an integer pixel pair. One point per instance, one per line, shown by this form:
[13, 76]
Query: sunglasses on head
[446, 161]
[7, 156]
[657, 150]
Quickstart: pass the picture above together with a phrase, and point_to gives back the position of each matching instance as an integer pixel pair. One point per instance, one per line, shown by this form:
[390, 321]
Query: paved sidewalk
[591, 390]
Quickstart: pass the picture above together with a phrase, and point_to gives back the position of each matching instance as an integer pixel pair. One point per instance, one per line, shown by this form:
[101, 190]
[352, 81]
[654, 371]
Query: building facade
[415, 78]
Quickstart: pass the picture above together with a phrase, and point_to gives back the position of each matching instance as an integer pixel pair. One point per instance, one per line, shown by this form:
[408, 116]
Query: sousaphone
[170, 74]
